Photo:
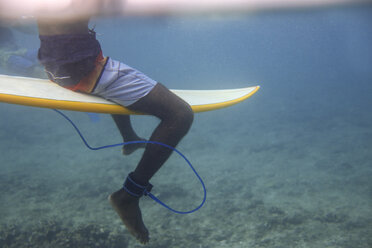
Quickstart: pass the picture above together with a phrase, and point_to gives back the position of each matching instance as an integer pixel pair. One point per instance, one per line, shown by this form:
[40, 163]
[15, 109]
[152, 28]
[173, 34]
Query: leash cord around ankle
[149, 142]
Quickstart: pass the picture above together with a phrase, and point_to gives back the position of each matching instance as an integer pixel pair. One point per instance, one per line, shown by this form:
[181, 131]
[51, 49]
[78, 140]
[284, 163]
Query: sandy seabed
[274, 179]
[290, 167]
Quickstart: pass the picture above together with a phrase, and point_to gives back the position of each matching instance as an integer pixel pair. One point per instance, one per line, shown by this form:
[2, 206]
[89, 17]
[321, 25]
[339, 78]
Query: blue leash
[149, 142]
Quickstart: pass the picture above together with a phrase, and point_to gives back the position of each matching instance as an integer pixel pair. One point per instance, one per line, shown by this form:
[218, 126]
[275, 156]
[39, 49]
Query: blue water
[290, 167]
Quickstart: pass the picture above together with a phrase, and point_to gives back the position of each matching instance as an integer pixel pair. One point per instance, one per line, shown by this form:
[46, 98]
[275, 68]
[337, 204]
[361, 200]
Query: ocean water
[289, 167]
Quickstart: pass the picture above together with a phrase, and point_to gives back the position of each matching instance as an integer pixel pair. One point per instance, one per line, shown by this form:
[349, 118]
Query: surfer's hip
[122, 84]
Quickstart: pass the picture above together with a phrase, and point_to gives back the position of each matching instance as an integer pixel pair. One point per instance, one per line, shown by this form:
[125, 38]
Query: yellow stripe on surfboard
[45, 94]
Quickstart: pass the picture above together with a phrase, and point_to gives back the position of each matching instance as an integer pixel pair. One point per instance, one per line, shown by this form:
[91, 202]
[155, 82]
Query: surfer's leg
[134, 90]
[175, 117]
[127, 132]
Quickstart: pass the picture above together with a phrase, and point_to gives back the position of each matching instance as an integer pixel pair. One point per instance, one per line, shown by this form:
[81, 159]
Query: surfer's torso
[68, 50]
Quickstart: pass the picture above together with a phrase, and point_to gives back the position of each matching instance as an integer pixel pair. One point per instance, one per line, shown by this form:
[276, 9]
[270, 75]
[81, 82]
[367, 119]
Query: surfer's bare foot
[130, 148]
[127, 207]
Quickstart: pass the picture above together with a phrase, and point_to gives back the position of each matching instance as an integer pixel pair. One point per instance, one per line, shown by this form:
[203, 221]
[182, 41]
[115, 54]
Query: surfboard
[46, 94]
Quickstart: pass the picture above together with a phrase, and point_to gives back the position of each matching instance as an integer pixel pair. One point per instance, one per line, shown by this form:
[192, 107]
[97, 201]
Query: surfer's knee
[183, 119]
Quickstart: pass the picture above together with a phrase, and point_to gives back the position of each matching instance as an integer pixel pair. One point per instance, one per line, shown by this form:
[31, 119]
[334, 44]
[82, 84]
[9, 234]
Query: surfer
[72, 58]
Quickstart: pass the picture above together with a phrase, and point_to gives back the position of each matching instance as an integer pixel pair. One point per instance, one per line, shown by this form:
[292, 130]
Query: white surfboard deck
[46, 94]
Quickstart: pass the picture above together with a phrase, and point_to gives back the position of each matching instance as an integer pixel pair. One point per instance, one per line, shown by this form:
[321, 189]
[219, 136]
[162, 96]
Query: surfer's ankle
[121, 197]
[130, 148]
